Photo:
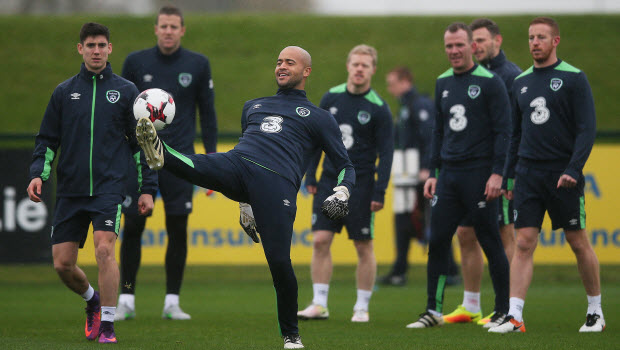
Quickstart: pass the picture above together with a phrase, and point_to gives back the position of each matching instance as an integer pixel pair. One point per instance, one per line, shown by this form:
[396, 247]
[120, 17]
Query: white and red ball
[157, 105]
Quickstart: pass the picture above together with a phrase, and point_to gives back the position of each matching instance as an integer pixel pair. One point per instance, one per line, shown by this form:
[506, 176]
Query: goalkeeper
[366, 125]
[264, 171]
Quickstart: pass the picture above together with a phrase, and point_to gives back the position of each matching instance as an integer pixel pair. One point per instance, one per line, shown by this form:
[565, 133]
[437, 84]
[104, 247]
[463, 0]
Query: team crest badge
[113, 96]
[556, 84]
[302, 111]
[185, 79]
[473, 91]
[363, 117]
[333, 110]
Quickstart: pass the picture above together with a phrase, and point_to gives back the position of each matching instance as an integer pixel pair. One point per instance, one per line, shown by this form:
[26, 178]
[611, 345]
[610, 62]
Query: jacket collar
[291, 92]
[106, 73]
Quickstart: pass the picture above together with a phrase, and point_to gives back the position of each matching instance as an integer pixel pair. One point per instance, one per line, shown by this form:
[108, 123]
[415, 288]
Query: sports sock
[321, 291]
[128, 299]
[363, 298]
[171, 300]
[471, 301]
[89, 293]
[435, 313]
[594, 305]
[107, 313]
[516, 308]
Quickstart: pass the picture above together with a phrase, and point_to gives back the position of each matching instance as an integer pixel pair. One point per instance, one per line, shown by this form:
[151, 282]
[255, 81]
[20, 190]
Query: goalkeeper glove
[246, 219]
[336, 206]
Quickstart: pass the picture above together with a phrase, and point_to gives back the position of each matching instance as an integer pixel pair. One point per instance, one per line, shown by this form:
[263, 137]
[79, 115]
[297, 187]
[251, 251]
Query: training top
[90, 119]
[506, 70]
[366, 125]
[472, 123]
[186, 75]
[554, 122]
[414, 126]
[282, 132]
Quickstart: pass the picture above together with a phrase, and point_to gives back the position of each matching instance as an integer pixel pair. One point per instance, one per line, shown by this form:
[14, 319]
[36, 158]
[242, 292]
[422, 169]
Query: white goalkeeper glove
[246, 219]
[336, 206]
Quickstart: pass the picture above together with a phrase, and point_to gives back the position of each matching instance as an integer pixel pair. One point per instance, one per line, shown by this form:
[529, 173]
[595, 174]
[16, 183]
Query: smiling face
[543, 44]
[95, 51]
[487, 45]
[169, 32]
[459, 50]
[361, 69]
[292, 68]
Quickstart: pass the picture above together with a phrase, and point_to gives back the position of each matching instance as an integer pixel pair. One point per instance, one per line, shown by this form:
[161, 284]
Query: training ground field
[234, 308]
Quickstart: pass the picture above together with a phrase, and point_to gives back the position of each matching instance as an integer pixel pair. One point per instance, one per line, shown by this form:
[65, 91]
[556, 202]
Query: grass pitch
[233, 307]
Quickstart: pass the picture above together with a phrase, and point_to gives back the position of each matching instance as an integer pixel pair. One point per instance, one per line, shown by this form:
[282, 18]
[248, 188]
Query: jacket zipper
[92, 123]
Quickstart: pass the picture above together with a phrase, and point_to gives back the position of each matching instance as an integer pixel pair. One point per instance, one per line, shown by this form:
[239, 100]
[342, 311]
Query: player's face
[361, 69]
[291, 69]
[169, 32]
[487, 46]
[396, 87]
[95, 51]
[542, 42]
[459, 49]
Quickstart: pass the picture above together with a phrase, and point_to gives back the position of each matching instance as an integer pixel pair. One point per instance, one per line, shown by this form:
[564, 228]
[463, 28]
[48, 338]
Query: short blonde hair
[364, 49]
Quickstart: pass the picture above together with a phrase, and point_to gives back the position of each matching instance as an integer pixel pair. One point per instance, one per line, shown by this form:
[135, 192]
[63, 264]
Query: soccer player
[412, 136]
[489, 54]
[90, 119]
[186, 75]
[264, 170]
[469, 144]
[366, 125]
[554, 126]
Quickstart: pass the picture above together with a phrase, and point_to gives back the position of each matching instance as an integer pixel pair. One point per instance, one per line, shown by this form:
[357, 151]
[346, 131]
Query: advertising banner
[25, 226]
[215, 236]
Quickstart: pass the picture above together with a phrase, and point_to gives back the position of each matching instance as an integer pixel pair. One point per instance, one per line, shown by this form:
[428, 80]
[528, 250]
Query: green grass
[40, 52]
[234, 308]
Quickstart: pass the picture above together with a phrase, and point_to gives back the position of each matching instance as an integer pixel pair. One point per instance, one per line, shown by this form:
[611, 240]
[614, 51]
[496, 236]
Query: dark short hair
[402, 73]
[491, 26]
[456, 26]
[170, 10]
[555, 27]
[93, 29]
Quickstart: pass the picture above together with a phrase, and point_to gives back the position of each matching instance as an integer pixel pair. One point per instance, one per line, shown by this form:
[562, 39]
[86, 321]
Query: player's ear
[307, 71]
[556, 40]
[109, 48]
[80, 48]
[499, 39]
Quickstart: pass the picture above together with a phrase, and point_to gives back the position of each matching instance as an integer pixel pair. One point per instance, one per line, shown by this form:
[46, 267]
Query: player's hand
[375, 206]
[494, 187]
[311, 189]
[566, 181]
[429, 187]
[34, 189]
[507, 194]
[247, 221]
[336, 206]
[145, 204]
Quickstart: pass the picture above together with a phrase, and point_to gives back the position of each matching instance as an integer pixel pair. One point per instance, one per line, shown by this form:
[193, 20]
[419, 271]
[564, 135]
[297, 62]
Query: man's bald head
[293, 67]
[303, 55]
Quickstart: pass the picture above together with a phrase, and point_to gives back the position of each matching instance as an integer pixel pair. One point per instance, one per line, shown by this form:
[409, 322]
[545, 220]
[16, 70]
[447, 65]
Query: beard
[542, 57]
[291, 84]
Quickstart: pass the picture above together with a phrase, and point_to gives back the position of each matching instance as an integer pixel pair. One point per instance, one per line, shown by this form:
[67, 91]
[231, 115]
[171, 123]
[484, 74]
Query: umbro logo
[445, 93]
[573, 221]
[257, 106]
[482, 204]
[75, 96]
[286, 202]
[333, 110]
[524, 89]
[147, 78]
[109, 223]
[365, 231]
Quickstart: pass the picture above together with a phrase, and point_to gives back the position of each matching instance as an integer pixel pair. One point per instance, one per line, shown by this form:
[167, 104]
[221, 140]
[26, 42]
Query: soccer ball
[157, 105]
